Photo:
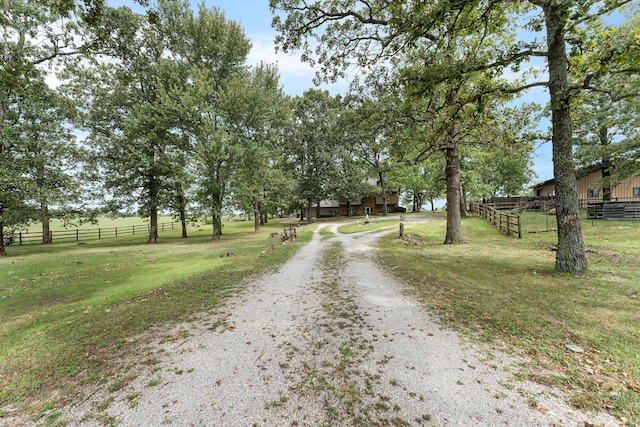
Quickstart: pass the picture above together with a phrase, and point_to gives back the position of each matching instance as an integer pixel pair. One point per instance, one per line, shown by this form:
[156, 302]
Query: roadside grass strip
[69, 312]
[498, 289]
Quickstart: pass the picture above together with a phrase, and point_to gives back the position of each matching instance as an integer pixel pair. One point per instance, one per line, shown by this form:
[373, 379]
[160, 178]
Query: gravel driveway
[328, 340]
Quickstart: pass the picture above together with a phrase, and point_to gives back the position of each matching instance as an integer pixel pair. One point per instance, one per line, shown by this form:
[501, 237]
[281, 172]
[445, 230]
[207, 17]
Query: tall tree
[254, 104]
[312, 147]
[50, 154]
[32, 36]
[369, 134]
[213, 50]
[391, 32]
[497, 155]
[608, 133]
[130, 133]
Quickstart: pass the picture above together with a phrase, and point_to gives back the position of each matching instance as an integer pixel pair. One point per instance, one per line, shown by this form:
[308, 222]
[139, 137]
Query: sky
[296, 77]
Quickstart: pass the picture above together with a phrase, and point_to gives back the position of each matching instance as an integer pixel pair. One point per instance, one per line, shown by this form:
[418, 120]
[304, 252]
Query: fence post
[99, 233]
[50, 236]
[77, 234]
[20, 237]
[133, 230]
[519, 227]
[116, 231]
[401, 229]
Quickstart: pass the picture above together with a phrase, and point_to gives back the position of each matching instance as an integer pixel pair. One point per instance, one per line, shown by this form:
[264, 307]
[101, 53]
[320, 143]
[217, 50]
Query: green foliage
[256, 114]
[497, 155]
[311, 149]
[369, 131]
[605, 117]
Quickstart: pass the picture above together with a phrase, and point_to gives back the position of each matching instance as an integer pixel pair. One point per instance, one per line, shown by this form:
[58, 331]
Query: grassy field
[500, 289]
[68, 311]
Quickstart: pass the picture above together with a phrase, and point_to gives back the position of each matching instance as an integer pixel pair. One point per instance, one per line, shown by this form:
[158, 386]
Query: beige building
[587, 184]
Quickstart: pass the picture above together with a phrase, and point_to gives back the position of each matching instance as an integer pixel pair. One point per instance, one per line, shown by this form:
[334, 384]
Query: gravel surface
[323, 341]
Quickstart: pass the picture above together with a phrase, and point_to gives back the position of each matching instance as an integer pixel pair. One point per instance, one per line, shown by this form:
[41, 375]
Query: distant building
[587, 184]
[371, 205]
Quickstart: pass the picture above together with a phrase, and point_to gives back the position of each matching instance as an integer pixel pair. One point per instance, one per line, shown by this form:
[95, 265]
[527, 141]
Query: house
[589, 187]
[371, 205]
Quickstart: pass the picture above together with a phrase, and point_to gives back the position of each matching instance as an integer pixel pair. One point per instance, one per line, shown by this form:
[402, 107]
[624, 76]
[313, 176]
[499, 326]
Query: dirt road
[327, 340]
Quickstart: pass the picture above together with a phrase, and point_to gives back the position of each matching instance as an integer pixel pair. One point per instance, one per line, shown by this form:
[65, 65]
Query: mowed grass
[502, 289]
[68, 311]
[375, 224]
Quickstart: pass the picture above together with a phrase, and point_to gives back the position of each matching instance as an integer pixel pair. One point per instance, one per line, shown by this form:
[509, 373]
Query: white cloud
[296, 75]
[264, 50]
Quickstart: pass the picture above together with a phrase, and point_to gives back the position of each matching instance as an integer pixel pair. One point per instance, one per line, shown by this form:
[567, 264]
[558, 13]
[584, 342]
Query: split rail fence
[76, 235]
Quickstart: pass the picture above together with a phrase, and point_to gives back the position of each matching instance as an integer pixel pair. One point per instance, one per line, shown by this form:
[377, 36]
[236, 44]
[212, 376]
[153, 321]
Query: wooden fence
[507, 223]
[76, 235]
[614, 210]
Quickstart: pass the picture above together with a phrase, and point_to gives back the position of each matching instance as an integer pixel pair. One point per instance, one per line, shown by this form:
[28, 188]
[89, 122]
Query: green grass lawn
[375, 224]
[499, 288]
[68, 310]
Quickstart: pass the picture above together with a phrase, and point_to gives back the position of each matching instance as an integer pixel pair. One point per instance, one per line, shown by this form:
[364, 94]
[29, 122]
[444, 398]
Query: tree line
[158, 111]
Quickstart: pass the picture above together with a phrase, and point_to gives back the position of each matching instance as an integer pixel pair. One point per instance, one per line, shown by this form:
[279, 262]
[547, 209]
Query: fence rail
[76, 235]
[506, 223]
[614, 210]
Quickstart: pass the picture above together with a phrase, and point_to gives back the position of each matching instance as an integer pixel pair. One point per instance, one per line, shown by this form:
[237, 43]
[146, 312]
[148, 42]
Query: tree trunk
[433, 208]
[454, 221]
[182, 209]
[216, 216]
[419, 202]
[463, 202]
[348, 207]
[153, 226]
[606, 163]
[383, 189]
[154, 191]
[318, 210]
[257, 216]
[570, 256]
[46, 222]
[309, 211]
[183, 224]
[216, 223]
[3, 249]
